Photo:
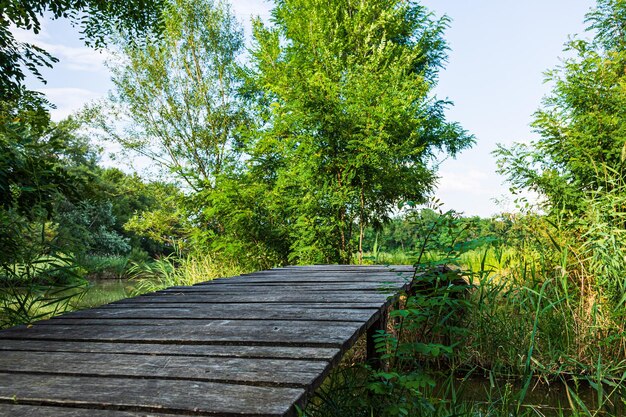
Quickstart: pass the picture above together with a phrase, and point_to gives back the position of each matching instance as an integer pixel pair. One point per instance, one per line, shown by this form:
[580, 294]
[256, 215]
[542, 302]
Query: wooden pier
[253, 345]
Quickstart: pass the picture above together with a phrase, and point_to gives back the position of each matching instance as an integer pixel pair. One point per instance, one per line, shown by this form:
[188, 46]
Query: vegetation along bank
[318, 144]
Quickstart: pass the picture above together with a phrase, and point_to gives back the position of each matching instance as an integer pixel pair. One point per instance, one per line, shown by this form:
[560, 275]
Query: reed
[181, 270]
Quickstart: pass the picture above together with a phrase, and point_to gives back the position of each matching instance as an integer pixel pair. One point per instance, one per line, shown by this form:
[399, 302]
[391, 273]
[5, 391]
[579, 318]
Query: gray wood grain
[259, 372]
[149, 395]
[17, 410]
[312, 278]
[225, 311]
[290, 334]
[274, 305]
[254, 345]
[259, 298]
[190, 350]
[198, 323]
[367, 269]
[236, 286]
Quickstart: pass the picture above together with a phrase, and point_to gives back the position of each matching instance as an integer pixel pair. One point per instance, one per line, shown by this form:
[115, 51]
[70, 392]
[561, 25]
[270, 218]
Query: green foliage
[37, 288]
[179, 91]
[86, 227]
[37, 162]
[37, 169]
[566, 280]
[582, 123]
[316, 153]
[428, 324]
[537, 306]
[49, 174]
[427, 328]
[246, 221]
[396, 242]
[56, 207]
[346, 119]
[110, 267]
[97, 19]
[131, 197]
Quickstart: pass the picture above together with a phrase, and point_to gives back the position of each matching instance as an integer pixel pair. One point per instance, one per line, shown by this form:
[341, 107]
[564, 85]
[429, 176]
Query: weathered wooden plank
[186, 303]
[225, 311]
[150, 395]
[193, 350]
[364, 270]
[342, 268]
[275, 292]
[242, 346]
[17, 410]
[304, 272]
[337, 273]
[322, 335]
[259, 372]
[199, 324]
[236, 286]
[283, 297]
[308, 279]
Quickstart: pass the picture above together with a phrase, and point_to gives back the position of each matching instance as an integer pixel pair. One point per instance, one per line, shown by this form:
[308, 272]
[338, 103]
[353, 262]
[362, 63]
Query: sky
[499, 51]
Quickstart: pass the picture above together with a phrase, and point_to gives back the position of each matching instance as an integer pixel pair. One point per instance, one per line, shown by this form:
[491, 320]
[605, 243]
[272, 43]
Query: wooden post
[373, 357]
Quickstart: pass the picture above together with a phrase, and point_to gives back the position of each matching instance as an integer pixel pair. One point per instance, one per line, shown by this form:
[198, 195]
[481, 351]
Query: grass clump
[181, 270]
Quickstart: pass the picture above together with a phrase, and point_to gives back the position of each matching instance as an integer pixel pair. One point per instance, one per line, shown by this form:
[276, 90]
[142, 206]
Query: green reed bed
[538, 309]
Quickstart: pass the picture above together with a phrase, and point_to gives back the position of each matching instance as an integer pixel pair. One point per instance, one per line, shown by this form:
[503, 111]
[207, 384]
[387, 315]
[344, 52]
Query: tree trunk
[361, 226]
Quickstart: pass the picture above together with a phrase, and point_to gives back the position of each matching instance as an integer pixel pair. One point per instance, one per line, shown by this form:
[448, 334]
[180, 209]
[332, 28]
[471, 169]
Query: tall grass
[181, 270]
[38, 289]
[557, 308]
[546, 307]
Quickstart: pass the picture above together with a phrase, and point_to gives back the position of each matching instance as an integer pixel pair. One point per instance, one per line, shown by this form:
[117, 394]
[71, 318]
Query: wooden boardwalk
[253, 345]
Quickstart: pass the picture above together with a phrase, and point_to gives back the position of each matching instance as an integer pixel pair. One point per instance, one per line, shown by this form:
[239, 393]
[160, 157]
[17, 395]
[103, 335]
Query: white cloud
[73, 58]
[480, 192]
[68, 100]
[472, 181]
[249, 8]
[79, 58]
[28, 36]
[471, 191]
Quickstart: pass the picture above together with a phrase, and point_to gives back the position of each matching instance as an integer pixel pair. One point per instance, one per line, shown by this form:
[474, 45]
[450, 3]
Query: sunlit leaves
[349, 119]
[179, 90]
[582, 123]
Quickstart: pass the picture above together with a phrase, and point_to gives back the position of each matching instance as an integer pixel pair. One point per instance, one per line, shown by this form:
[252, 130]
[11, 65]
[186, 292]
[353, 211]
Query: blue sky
[499, 51]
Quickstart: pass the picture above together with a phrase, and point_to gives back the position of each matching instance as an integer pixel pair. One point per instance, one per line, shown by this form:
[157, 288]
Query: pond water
[105, 291]
[555, 399]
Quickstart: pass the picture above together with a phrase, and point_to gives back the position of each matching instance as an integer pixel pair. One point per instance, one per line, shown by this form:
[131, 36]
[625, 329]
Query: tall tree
[176, 102]
[349, 124]
[582, 123]
[178, 91]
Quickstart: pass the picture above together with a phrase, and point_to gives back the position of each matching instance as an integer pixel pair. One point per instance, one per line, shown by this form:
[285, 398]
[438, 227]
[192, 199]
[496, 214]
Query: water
[105, 291]
[557, 399]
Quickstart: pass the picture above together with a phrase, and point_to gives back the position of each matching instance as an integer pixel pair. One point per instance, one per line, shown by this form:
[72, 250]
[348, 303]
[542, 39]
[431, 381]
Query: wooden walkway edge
[254, 345]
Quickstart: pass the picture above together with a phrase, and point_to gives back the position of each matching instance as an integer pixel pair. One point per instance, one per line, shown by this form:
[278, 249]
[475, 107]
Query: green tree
[582, 123]
[132, 197]
[179, 91]
[348, 123]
